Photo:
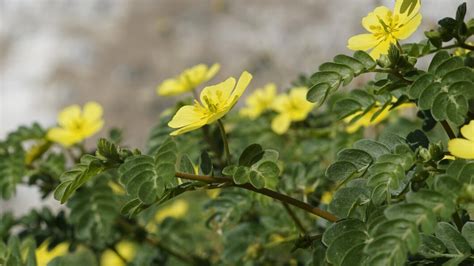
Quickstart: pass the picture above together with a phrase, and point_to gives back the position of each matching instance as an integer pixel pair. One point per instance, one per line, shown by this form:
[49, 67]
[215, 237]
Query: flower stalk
[225, 141]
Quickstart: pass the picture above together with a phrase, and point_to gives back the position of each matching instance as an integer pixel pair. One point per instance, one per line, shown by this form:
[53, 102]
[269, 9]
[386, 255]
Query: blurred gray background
[59, 52]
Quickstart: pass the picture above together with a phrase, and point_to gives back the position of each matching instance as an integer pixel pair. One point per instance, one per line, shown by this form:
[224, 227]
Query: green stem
[393, 72]
[224, 140]
[264, 191]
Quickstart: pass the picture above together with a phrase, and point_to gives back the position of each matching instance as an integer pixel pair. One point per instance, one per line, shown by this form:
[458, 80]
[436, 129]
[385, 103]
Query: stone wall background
[58, 52]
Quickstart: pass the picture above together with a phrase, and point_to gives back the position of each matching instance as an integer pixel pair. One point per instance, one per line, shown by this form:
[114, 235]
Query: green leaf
[437, 202]
[374, 148]
[337, 229]
[428, 96]
[318, 93]
[93, 212]
[447, 185]
[356, 65]
[241, 175]
[268, 169]
[108, 151]
[452, 239]
[365, 59]
[405, 230]
[431, 247]
[449, 65]
[344, 71]
[333, 79]
[12, 170]
[359, 158]
[457, 109]
[414, 212]
[256, 179]
[355, 256]
[251, 155]
[386, 250]
[466, 174]
[459, 74]
[148, 177]
[346, 107]
[342, 245]
[77, 176]
[468, 233]
[440, 104]
[186, 165]
[341, 170]
[206, 163]
[348, 202]
[437, 60]
[419, 85]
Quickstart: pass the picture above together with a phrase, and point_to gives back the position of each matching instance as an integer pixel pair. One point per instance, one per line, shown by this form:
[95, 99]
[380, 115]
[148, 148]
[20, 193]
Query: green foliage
[331, 75]
[147, 177]
[389, 194]
[94, 210]
[256, 166]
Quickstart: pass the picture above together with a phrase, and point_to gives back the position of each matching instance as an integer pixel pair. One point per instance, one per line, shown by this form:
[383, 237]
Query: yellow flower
[259, 101]
[177, 209]
[126, 249]
[216, 101]
[44, 256]
[188, 80]
[290, 107]
[461, 51]
[463, 148]
[75, 126]
[385, 27]
[365, 120]
[326, 198]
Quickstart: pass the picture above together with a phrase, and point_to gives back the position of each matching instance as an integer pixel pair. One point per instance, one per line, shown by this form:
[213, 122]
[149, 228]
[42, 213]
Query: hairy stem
[264, 191]
[224, 140]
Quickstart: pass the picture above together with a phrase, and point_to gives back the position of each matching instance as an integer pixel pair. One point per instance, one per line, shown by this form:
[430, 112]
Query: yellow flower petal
[371, 21]
[68, 115]
[216, 101]
[212, 71]
[92, 111]
[217, 93]
[461, 148]
[44, 256]
[381, 48]
[186, 115]
[281, 123]
[408, 28]
[63, 136]
[126, 249]
[468, 131]
[188, 128]
[90, 128]
[242, 84]
[362, 42]
[170, 87]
